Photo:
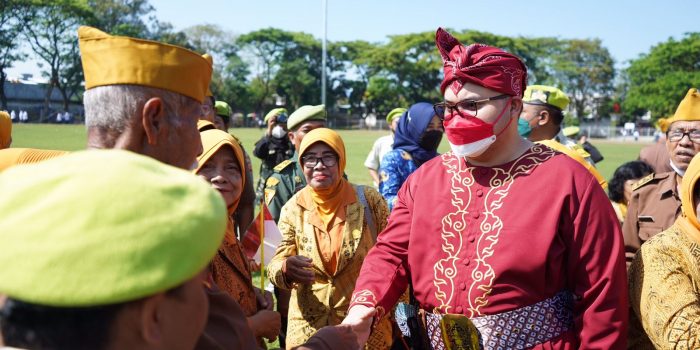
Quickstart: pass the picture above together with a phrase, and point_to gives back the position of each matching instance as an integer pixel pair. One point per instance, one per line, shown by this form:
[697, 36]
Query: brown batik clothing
[231, 272]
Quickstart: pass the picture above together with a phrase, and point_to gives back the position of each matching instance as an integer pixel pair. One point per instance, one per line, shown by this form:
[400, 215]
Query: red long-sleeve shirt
[484, 240]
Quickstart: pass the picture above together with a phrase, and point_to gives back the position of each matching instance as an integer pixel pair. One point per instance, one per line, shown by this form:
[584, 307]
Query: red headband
[479, 64]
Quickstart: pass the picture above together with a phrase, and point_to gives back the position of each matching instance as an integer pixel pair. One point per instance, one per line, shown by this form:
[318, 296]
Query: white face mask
[473, 149]
[278, 132]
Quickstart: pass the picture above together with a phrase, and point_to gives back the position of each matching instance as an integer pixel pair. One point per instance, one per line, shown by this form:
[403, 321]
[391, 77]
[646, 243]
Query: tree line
[256, 70]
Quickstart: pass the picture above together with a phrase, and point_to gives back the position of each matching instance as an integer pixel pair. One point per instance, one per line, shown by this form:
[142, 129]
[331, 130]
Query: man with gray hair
[143, 96]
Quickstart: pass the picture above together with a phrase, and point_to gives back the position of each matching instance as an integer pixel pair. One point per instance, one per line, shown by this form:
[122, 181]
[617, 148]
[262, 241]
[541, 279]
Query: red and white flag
[271, 234]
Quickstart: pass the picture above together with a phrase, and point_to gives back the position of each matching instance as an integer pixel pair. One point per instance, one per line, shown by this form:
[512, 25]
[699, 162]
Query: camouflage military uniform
[286, 180]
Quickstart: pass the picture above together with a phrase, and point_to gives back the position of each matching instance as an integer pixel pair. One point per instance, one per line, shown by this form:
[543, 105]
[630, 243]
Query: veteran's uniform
[655, 201]
[288, 177]
[654, 206]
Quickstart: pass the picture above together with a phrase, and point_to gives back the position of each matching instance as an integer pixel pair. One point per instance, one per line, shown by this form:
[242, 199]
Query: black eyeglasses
[677, 135]
[327, 160]
[470, 106]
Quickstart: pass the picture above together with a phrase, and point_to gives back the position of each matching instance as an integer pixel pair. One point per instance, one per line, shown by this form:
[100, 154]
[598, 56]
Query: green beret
[223, 109]
[395, 113]
[306, 113]
[273, 113]
[546, 95]
[104, 227]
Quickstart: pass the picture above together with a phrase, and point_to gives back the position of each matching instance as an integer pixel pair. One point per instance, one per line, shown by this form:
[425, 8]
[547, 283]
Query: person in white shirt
[383, 145]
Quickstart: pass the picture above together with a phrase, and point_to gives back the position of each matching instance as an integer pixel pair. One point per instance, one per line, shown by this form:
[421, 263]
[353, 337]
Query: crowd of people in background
[510, 240]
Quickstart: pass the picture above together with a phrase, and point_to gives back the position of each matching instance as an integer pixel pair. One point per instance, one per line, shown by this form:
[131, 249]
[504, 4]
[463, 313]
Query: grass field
[357, 143]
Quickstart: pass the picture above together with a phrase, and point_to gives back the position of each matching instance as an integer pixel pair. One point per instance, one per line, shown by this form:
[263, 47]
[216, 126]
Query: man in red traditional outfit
[513, 235]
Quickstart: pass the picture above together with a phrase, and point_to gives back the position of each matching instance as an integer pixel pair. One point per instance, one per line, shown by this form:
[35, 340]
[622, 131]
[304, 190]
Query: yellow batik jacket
[664, 281]
[326, 301]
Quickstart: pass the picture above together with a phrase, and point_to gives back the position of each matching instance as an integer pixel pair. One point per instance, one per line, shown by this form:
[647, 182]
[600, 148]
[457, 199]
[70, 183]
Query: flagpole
[262, 244]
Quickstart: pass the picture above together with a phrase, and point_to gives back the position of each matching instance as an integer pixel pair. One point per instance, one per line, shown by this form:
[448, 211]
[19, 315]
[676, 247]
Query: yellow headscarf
[5, 129]
[688, 219]
[212, 141]
[329, 200]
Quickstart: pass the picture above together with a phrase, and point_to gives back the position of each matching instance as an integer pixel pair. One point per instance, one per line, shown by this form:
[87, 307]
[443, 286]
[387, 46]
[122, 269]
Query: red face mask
[470, 136]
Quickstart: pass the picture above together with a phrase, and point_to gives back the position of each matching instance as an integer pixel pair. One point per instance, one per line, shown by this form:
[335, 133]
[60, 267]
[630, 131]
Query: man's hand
[360, 319]
[271, 124]
[264, 299]
[266, 324]
[297, 269]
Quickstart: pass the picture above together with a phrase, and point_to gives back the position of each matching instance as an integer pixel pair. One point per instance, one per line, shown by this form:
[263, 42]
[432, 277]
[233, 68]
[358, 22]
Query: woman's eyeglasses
[327, 160]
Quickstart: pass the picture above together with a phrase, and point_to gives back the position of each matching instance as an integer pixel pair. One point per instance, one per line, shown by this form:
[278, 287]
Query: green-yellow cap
[223, 109]
[570, 131]
[104, 227]
[546, 95]
[273, 113]
[306, 113]
[395, 113]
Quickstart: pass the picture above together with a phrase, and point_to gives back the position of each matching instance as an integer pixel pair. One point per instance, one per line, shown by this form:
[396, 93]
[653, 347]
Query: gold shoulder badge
[643, 181]
[282, 165]
[272, 181]
[269, 194]
[582, 152]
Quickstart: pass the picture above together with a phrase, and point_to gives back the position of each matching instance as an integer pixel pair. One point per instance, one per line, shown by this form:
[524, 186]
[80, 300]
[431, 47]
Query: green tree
[123, 17]
[584, 69]
[13, 13]
[658, 81]
[51, 35]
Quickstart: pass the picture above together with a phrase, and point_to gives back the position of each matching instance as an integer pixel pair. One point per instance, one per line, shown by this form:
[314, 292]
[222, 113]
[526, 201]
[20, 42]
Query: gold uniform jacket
[326, 301]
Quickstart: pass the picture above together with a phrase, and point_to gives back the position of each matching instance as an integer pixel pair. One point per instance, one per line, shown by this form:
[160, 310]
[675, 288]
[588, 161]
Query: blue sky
[627, 28]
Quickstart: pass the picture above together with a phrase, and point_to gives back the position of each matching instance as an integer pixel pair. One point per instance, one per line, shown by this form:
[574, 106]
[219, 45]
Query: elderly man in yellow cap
[143, 96]
[656, 202]
[5, 130]
[77, 278]
[383, 145]
[146, 97]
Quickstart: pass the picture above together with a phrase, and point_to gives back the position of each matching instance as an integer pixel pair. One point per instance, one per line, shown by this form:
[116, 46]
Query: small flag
[251, 239]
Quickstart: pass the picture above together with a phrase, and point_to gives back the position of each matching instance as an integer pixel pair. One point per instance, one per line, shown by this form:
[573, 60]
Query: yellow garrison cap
[395, 113]
[273, 113]
[5, 129]
[15, 156]
[545, 95]
[688, 110]
[211, 63]
[305, 113]
[104, 227]
[570, 131]
[114, 60]
[205, 125]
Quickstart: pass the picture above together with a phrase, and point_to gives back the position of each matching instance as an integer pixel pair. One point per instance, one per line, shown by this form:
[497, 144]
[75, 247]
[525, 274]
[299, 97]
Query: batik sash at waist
[521, 328]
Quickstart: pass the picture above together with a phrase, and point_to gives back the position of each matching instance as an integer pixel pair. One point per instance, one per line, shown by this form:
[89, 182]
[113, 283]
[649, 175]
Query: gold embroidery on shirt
[454, 224]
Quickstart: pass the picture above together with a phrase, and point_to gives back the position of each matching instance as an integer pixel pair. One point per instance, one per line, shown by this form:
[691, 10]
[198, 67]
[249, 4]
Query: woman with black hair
[622, 183]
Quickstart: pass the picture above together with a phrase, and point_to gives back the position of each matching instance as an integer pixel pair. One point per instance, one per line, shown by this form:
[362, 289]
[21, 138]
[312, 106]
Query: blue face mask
[524, 128]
